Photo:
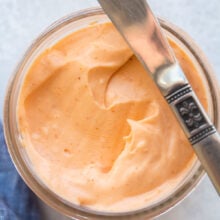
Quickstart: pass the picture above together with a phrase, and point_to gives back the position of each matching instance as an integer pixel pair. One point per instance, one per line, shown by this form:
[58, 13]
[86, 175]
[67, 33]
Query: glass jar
[53, 34]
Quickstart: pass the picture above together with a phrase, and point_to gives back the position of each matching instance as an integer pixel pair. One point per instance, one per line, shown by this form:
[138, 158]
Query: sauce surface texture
[96, 128]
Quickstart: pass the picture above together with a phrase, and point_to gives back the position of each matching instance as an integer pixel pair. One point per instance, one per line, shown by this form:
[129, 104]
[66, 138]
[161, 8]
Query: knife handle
[199, 130]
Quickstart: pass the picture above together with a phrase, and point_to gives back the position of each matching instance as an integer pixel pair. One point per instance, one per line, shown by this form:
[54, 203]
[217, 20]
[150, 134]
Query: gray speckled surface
[22, 20]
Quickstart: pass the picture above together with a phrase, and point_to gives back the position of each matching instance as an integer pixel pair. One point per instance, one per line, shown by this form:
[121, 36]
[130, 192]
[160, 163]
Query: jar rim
[51, 198]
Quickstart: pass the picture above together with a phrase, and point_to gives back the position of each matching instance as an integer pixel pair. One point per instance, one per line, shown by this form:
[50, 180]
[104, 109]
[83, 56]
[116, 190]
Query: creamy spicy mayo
[96, 128]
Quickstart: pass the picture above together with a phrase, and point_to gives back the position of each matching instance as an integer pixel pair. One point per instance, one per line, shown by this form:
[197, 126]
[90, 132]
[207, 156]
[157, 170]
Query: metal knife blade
[137, 24]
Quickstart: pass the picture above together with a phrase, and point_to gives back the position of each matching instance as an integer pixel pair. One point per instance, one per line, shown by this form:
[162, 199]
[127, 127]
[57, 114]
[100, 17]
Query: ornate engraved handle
[199, 130]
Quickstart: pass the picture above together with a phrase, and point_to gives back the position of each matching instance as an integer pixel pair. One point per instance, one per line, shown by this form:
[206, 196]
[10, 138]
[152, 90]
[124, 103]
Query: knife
[141, 30]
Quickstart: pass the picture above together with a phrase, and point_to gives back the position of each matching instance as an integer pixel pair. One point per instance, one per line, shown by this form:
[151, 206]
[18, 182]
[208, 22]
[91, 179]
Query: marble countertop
[21, 21]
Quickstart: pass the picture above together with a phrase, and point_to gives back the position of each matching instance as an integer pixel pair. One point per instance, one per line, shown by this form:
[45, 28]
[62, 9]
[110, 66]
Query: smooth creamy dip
[96, 129]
